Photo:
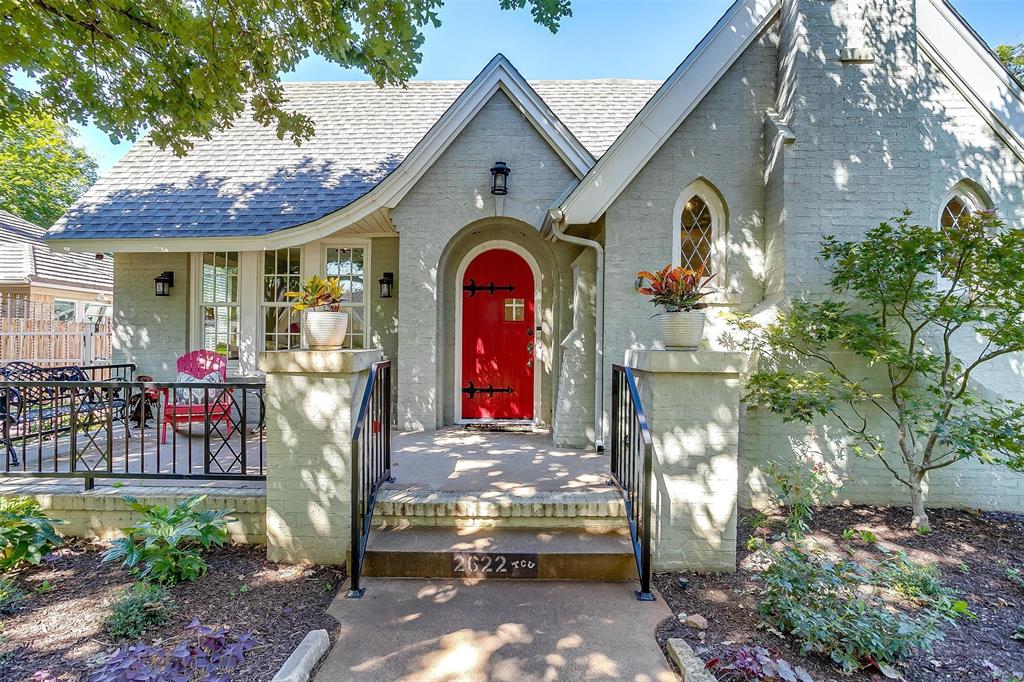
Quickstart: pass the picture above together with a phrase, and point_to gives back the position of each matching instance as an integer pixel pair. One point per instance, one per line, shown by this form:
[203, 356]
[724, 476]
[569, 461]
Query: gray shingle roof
[25, 258]
[246, 182]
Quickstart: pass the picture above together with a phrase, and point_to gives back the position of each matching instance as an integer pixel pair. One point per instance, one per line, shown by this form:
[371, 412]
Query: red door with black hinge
[497, 337]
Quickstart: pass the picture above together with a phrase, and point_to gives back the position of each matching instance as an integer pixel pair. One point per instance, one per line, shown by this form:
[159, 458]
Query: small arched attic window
[960, 202]
[964, 199]
[699, 229]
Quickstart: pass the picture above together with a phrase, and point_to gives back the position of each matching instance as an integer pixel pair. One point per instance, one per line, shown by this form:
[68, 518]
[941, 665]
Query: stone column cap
[687, 361]
[318, 361]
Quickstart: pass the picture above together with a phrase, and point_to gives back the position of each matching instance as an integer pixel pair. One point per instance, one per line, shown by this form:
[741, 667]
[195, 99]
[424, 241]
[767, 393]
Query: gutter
[553, 222]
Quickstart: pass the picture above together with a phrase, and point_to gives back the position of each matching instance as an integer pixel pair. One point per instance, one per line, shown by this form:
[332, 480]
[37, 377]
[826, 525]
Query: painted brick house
[789, 120]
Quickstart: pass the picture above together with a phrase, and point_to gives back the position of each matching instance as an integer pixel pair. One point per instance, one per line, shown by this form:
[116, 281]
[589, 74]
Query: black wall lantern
[499, 178]
[164, 281]
[387, 283]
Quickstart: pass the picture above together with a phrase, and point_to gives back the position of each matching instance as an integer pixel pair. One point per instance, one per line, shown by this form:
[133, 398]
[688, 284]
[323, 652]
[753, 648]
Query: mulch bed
[972, 551]
[60, 629]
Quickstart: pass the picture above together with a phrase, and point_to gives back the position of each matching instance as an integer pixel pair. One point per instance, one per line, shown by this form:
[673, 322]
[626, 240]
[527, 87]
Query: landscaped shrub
[820, 601]
[919, 583]
[26, 534]
[204, 653]
[801, 485]
[137, 609]
[755, 664]
[165, 545]
[10, 595]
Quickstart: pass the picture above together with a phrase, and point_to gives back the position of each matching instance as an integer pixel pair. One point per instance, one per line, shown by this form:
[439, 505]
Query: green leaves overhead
[187, 69]
[42, 171]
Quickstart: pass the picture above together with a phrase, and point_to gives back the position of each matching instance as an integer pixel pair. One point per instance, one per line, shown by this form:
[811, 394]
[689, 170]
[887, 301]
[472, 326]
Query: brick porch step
[500, 553]
[590, 509]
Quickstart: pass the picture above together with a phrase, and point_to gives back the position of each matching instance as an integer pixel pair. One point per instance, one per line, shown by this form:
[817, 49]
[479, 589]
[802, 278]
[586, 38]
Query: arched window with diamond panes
[964, 199]
[959, 203]
[699, 225]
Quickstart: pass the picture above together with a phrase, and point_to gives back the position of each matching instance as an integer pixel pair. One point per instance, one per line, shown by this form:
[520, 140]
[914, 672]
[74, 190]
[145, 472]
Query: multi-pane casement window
[282, 272]
[349, 264]
[699, 229]
[218, 302]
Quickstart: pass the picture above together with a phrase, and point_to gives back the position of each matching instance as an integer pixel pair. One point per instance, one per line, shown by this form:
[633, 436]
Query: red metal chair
[199, 364]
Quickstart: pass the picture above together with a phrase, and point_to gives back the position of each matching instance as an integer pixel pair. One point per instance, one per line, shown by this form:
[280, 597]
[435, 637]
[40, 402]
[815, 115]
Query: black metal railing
[371, 463]
[632, 468]
[124, 429]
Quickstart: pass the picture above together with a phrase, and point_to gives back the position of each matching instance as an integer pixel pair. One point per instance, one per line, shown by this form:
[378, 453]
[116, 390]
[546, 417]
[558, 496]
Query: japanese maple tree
[900, 298]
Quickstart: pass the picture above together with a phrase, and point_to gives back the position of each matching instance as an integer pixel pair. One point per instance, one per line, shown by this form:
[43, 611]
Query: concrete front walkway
[514, 631]
[466, 459]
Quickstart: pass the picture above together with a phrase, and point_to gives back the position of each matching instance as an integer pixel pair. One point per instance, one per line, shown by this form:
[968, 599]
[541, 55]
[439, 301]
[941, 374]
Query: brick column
[692, 401]
[311, 399]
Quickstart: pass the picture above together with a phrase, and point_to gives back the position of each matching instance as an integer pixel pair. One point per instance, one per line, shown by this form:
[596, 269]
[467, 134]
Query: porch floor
[457, 459]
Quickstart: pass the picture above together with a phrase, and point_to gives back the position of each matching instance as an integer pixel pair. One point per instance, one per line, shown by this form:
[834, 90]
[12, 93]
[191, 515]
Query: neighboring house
[787, 122]
[69, 286]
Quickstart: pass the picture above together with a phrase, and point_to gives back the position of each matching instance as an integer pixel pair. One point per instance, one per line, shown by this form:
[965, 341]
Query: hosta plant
[676, 289]
[319, 293]
[26, 534]
[164, 546]
[755, 664]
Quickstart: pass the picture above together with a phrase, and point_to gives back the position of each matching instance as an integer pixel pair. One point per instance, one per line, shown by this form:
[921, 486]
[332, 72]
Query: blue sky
[604, 39]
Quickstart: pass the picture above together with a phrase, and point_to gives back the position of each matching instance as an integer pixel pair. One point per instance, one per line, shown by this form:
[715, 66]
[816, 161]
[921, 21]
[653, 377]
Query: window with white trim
[699, 228]
[350, 264]
[696, 235]
[282, 272]
[64, 310]
[957, 206]
[218, 302]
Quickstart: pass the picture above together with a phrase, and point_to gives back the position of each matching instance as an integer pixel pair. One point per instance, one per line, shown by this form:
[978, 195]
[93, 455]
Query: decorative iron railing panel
[632, 465]
[119, 428]
[371, 463]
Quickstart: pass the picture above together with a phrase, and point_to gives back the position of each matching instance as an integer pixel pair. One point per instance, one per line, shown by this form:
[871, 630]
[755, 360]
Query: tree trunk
[920, 520]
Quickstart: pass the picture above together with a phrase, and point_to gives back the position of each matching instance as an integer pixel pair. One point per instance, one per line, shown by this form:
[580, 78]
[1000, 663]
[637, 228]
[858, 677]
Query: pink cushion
[200, 363]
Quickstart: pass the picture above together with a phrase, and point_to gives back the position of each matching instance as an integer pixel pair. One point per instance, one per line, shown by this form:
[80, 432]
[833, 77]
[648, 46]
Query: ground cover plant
[164, 547]
[905, 573]
[26, 534]
[755, 664]
[202, 653]
[62, 632]
[137, 609]
[900, 297]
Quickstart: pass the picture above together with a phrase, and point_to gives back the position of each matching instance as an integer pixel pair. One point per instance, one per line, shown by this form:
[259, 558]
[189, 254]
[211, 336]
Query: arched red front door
[498, 337]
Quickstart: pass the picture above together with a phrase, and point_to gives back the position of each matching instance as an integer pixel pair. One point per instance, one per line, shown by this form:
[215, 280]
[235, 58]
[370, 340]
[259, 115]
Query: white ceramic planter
[324, 330]
[682, 329]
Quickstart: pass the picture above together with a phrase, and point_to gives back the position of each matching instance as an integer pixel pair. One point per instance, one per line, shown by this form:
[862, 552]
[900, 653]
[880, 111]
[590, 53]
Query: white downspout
[556, 218]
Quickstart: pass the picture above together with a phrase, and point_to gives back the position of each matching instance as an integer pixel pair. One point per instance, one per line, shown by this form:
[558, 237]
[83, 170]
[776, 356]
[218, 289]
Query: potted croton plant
[324, 323]
[679, 291]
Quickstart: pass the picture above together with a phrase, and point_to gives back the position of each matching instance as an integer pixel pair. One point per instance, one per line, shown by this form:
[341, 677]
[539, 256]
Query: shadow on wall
[308, 470]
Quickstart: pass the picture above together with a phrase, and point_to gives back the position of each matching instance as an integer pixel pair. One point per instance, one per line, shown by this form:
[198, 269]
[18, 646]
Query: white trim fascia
[499, 74]
[966, 61]
[742, 23]
[538, 300]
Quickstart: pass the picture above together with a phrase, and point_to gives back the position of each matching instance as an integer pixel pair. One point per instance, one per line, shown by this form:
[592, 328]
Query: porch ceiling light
[164, 281]
[387, 283]
[499, 178]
